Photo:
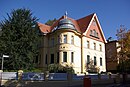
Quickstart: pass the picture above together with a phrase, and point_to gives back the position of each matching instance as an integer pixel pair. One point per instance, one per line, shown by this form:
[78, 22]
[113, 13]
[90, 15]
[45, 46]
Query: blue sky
[111, 13]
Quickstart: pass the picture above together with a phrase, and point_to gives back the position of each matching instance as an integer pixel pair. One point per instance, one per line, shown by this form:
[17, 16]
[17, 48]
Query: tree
[58, 68]
[19, 39]
[123, 37]
[127, 44]
[92, 68]
[50, 22]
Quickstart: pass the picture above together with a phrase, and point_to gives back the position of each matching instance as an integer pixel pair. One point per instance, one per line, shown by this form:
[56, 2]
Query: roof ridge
[86, 16]
[80, 24]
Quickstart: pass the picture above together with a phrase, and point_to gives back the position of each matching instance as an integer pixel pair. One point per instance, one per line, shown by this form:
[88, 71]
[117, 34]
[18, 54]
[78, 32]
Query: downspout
[48, 51]
[81, 53]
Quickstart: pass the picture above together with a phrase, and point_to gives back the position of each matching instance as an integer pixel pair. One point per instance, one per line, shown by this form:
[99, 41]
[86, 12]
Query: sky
[111, 13]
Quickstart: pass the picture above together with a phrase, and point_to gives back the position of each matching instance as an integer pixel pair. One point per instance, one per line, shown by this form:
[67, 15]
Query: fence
[9, 75]
[33, 76]
[53, 76]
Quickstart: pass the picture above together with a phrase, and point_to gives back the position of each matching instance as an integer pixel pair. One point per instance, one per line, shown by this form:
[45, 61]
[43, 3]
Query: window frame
[46, 60]
[72, 39]
[88, 59]
[52, 41]
[100, 47]
[52, 59]
[95, 61]
[64, 56]
[101, 63]
[94, 45]
[88, 44]
[65, 38]
[58, 57]
[72, 57]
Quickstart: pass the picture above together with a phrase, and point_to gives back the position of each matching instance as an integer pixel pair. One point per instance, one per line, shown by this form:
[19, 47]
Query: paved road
[112, 85]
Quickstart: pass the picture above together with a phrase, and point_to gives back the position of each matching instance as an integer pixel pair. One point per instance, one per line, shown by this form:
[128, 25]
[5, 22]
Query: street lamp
[4, 56]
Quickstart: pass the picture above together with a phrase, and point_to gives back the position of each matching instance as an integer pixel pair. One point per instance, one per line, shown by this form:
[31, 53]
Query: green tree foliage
[124, 66]
[19, 39]
[50, 22]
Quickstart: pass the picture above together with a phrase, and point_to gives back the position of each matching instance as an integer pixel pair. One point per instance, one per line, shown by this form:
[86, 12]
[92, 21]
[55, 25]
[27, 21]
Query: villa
[76, 43]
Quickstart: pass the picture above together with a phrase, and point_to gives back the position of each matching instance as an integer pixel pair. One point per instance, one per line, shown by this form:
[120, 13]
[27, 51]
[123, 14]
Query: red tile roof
[80, 24]
[44, 28]
[84, 22]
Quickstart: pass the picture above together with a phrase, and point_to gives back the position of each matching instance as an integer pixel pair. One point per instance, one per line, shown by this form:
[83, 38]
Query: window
[39, 60]
[52, 58]
[64, 56]
[95, 61]
[72, 39]
[46, 59]
[94, 33]
[52, 41]
[58, 39]
[88, 59]
[97, 35]
[94, 23]
[36, 60]
[100, 61]
[88, 44]
[100, 47]
[72, 57]
[65, 38]
[94, 46]
[91, 32]
[57, 57]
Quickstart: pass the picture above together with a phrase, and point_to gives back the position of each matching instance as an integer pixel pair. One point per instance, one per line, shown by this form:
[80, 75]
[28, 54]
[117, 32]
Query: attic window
[94, 33]
[94, 23]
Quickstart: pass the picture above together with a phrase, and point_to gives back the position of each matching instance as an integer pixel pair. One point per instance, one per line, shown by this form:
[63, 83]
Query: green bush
[57, 68]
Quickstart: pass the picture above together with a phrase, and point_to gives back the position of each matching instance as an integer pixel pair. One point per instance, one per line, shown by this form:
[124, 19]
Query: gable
[94, 30]
[84, 22]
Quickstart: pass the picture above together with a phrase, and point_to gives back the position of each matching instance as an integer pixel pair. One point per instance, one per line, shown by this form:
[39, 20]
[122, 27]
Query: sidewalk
[112, 85]
[74, 83]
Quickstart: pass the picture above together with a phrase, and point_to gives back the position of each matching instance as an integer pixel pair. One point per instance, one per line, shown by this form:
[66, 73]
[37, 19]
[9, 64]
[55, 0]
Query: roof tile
[80, 24]
[44, 28]
[84, 22]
